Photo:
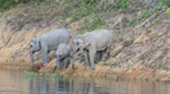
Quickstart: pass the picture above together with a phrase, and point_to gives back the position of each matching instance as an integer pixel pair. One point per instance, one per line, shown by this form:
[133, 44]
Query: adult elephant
[92, 42]
[47, 42]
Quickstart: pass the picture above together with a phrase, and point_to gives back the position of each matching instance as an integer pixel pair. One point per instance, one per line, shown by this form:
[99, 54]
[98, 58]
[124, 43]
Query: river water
[15, 82]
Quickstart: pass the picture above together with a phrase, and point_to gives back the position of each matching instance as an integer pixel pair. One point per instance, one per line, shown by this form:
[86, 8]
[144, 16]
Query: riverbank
[141, 38]
[137, 72]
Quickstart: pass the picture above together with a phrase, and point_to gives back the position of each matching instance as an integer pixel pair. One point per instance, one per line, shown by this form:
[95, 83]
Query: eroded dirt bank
[140, 52]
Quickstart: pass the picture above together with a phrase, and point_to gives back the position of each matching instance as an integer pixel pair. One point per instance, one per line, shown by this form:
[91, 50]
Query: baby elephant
[63, 55]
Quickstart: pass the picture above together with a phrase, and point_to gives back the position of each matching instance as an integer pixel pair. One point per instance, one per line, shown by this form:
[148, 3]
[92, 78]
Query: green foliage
[166, 2]
[6, 4]
[168, 12]
[62, 74]
[141, 15]
[86, 21]
[145, 14]
[159, 7]
[54, 75]
[57, 18]
[27, 73]
[30, 75]
[88, 2]
[81, 14]
[121, 3]
[95, 22]
[166, 68]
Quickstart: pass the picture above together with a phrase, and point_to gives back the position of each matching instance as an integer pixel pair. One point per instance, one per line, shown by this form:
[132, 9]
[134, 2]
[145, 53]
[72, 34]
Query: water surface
[15, 82]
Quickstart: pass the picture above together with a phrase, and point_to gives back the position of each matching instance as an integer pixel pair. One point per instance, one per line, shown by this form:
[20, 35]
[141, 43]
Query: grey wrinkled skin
[47, 42]
[63, 55]
[92, 42]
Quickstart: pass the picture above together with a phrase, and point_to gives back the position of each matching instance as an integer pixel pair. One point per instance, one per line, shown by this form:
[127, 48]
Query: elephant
[48, 42]
[63, 55]
[92, 42]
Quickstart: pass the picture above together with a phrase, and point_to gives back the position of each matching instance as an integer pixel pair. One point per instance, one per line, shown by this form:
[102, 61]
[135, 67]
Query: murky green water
[15, 82]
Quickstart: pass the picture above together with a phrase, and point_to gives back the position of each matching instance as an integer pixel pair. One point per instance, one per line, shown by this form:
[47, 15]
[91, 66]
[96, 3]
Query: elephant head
[80, 43]
[34, 47]
[60, 55]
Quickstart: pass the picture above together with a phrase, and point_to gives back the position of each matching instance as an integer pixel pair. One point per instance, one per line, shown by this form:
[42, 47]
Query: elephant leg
[44, 55]
[86, 55]
[55, 68]
[106, 54]
[57, 65]
[98, 56]
[73, 60]
[73, 66]
[61, 65]
[65, 63]
[92, 56]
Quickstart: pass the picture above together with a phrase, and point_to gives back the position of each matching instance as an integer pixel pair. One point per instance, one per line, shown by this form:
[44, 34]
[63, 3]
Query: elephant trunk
[31, 56]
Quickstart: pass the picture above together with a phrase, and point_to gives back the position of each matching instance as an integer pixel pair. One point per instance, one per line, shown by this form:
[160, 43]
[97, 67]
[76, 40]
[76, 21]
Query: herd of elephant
[90, 43]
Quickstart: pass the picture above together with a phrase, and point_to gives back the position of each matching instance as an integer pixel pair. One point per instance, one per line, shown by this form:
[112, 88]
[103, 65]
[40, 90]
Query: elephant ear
[38, 42]
[87, 42]
[32, 42]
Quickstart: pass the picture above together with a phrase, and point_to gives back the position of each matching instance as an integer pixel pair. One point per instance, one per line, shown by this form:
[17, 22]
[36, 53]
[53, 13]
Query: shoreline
[139, 72]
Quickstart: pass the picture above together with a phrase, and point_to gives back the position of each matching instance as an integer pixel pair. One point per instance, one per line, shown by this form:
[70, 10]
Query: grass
[54, 75]
[92, 23]
[30, 75]
[27, 73]
[143, 14]
[121, 3]
[33, 75]
[165, 68]
[81, 14]
[7, 4]
[89, 10]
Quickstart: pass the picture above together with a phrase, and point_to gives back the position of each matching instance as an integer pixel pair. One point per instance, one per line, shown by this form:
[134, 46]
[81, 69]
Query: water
[15, 82]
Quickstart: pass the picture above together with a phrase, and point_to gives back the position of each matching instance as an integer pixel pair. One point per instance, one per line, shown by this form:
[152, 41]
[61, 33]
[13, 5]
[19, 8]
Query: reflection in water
[88, 88]
[59, 86]
[39, 87]
[12, 82]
